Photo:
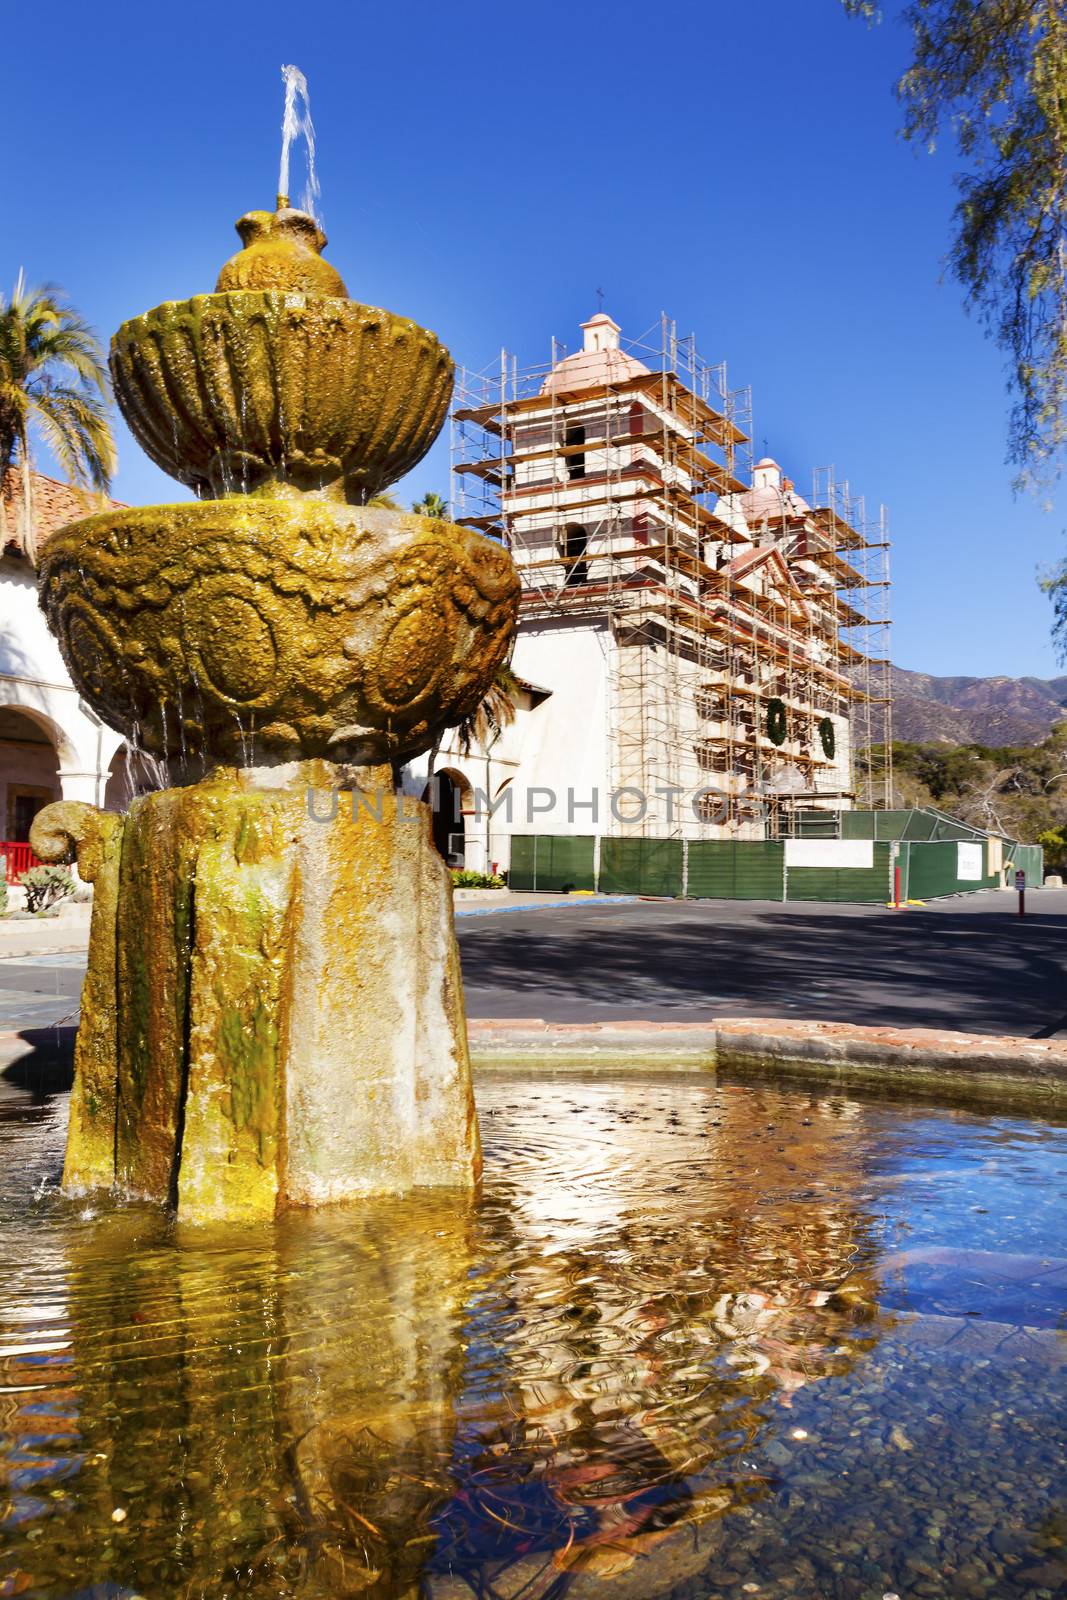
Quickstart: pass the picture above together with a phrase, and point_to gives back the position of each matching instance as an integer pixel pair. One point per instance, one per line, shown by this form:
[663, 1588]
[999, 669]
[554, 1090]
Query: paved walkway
[46, 935]
[969, 964]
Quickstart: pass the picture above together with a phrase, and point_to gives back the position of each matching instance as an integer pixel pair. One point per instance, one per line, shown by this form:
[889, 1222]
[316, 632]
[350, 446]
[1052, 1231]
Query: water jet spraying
[296, 120]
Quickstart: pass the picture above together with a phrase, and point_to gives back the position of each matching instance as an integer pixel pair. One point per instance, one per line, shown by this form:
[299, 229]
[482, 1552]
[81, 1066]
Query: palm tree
[53, 389]
[494, 713]
[431, 505]
[384, 501]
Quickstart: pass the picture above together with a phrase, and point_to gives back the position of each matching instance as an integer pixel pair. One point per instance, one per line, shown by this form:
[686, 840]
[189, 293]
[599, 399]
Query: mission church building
[696, 639]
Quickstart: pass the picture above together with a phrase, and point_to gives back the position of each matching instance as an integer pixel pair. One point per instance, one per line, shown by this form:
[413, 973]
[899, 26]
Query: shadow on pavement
[980, 971]
[46, 1067]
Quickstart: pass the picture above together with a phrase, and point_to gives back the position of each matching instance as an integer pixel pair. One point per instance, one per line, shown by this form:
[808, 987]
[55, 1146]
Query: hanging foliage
[827, 738]
[777, 721]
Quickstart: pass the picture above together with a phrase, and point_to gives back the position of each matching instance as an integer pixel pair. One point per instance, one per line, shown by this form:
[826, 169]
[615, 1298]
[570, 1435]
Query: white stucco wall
[557, 742]
[34, 680]
[566, 743]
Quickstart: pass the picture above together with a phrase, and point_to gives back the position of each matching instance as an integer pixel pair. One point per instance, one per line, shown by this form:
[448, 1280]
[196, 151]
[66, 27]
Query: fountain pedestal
[282, 1018]
[273, 1011]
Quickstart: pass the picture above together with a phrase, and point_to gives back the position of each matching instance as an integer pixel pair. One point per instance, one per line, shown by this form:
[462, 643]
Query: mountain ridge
[963, 710]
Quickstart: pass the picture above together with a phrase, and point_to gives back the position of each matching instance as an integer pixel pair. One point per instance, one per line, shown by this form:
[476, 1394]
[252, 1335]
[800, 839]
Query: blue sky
[486, 167]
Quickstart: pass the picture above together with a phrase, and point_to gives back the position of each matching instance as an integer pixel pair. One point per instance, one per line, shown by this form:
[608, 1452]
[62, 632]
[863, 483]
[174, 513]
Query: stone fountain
[273, 1011]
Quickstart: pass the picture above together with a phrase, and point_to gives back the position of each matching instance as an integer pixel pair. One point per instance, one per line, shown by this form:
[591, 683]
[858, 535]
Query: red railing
[19, 858]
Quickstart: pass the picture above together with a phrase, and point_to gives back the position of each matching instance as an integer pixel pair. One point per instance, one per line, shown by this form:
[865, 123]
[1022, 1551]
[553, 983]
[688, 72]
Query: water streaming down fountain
[273, 1009]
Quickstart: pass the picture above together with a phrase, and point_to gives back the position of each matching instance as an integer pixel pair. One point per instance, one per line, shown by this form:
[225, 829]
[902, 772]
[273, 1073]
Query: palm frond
[76, 429]
[432, 505]
[53, 386]
[492, 715]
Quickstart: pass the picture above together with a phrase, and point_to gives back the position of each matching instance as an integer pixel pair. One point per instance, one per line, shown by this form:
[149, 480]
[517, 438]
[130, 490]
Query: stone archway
[30, 751]
[450, 794]
[119, 788]
[132, 773]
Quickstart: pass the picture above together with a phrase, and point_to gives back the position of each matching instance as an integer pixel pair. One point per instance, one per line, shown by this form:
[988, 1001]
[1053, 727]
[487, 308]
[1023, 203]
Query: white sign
[1020, 879]
[969, 863]
[829, 852]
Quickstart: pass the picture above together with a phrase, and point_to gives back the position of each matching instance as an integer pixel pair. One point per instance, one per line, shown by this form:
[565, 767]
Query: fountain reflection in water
[658, 1357]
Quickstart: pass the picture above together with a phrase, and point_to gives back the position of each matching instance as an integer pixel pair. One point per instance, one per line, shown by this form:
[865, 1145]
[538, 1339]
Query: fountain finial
[282, 251]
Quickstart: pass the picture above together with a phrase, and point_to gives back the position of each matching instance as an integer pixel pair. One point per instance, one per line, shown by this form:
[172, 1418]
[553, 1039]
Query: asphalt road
[970, 964]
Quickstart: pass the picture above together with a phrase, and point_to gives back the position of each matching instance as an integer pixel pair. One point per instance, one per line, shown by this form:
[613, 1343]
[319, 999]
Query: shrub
[464, 878]
[46, 886]
[1054, 843]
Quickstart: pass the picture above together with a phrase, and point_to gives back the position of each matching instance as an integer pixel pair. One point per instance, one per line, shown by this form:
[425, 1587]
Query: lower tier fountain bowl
[277, 629]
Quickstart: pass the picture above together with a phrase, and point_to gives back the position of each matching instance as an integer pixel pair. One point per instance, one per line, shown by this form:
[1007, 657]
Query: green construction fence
[848, 884]
[952, 866]
[641, 866]
[926, 825]
[735, 869]
[1028, 858]
[560, 862]
[749, 869]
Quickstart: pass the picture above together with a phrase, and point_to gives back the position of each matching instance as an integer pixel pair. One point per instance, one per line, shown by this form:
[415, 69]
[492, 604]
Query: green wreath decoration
[777, 721]
[827, 738]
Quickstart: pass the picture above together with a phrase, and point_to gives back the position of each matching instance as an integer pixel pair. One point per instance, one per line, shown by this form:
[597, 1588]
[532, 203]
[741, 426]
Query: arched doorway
[29, 780]
[119, 790]
[449, 793]
[129, 775]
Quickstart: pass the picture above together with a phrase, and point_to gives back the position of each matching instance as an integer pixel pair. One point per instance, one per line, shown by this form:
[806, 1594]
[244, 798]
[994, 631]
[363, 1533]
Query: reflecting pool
[694, 1339]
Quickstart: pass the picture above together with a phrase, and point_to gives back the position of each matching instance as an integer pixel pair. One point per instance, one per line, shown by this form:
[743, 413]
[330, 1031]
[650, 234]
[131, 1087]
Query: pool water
[693, 1339]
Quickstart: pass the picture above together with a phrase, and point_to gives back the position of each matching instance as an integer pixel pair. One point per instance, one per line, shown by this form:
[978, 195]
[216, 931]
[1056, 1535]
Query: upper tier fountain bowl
[275, 391]
[277, 620]
[278, 383]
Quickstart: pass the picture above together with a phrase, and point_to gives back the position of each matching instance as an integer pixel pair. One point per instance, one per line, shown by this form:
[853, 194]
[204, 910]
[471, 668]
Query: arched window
[575, 435]
[575, 539]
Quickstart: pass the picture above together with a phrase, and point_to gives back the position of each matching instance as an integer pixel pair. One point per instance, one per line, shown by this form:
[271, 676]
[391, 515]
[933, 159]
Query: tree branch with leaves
[993, 75]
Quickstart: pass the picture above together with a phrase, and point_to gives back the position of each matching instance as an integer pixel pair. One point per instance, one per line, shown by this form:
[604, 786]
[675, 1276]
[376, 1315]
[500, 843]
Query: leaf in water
[15, 1583]
[603, 1561]
[347, 1575]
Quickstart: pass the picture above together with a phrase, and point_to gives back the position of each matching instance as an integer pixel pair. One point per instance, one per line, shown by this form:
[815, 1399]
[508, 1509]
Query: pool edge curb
[893, 1060]
[756, 1046]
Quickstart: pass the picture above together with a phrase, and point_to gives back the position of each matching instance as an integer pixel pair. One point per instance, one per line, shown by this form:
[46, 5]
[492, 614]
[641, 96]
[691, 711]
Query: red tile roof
[54, 505]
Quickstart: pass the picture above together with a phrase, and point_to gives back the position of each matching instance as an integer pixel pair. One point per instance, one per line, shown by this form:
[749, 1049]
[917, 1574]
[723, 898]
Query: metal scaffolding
[732, 645]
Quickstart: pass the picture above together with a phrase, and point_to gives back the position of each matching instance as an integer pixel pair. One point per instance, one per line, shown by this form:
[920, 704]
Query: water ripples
[642, 1357]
